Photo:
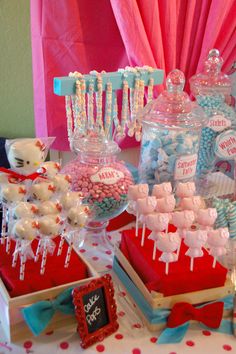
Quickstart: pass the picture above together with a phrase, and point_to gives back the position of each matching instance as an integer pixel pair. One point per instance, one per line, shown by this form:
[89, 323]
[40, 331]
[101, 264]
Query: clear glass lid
[212, 80]
[173, 107]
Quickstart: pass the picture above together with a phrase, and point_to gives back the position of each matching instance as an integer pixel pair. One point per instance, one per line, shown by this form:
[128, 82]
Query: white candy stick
[36, 257]
[136, 226]
[191, 264]
[8, 244]
[154, 251]
[68, 255]
[44, 259]
[15, 254]
[143, 234]
[4, 224]
[214, 263]
[167, 268]
[22, 266]
[61, 245]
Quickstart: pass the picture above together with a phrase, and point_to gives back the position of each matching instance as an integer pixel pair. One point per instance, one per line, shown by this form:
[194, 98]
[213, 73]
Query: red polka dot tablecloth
[132, 336]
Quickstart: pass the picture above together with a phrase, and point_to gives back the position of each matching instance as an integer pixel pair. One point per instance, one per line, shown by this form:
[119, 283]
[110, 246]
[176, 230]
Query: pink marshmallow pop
[11, 195]
[162, 190]
[184, 190]
[144, 207]
[168, 244]
[166, 204]
[217, 240]
[206, 218]
[195, 240]
[77, 218]
[49, 227]
[136, 192]
[183, 220]
[156, 222]
[24, 231]
[192, 203]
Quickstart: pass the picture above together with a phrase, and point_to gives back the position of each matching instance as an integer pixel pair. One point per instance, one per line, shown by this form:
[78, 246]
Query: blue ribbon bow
[38, 316]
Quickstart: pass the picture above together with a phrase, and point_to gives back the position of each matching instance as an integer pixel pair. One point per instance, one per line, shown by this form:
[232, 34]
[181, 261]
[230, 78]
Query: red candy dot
[227, 347]
[122, 293]
[82, 250]
[190, 343]
[234, 314]
[172, 353]
[121, 313]
[94, 244]
[28, 344]
[108, 252]
[64, 345]
[95, 258]
[119, 336]
[109, 266]
[49, 333]
[100, 348]
[153, 339]
[206, 333]
[136, 351]
[136, 325]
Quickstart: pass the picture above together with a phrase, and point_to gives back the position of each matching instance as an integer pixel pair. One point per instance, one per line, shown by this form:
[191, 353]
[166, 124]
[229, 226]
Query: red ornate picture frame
[95, 310]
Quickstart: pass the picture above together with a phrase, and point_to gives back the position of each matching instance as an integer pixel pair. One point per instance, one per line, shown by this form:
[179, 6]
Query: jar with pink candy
[100, 177]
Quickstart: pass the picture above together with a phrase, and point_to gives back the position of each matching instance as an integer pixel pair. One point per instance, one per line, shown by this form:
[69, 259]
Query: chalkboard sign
[95, 309]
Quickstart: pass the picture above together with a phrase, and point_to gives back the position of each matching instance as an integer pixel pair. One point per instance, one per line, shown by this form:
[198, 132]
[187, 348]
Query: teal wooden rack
[65, 86]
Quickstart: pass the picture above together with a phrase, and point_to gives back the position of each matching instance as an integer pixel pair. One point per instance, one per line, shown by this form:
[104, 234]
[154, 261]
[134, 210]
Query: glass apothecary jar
[211, 88]
[171, 128]
[100, 177]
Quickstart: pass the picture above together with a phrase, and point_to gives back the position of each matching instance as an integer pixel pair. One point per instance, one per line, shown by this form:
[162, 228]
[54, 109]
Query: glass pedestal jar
[102, 180]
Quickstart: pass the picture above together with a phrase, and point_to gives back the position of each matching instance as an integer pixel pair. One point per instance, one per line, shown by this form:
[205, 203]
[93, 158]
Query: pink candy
[187, 189]
[166, 204]
[162, 190]
[206, 217]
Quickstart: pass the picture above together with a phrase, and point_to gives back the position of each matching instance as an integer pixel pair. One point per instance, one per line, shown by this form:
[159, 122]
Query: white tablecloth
[132, 336]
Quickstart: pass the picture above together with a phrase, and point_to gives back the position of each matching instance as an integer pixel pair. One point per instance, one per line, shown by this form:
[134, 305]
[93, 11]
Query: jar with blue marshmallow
[211, 88]
[171, 127]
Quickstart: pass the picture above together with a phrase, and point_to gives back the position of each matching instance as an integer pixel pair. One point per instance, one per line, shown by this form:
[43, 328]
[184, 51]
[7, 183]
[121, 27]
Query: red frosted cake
[179, 279]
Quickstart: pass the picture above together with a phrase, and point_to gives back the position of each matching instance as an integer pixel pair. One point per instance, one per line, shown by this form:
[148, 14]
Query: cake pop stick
[156, 222]
[184, 190]
[217, 240]
[168, 244]
[206, 218]
[144, 207]
[136, 192]
[162, 190]
[195, 240]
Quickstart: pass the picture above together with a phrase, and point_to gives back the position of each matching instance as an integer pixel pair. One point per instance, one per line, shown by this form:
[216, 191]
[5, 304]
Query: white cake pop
[70, 199]
[166, 204]
[195, 240]
[42, 191]
[25, 210]
[168, 244]
[206, 218]
[62, 182]
[162, 190]
[192, 203]
[50, 169]
[49, 207]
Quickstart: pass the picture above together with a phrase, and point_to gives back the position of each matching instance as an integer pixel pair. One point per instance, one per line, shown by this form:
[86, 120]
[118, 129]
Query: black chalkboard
[95, 310]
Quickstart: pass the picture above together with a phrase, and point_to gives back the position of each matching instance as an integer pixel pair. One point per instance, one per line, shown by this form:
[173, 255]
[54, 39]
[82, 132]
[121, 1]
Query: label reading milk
[218, 123]
[225, 145]
[107, 175]
[185, 166]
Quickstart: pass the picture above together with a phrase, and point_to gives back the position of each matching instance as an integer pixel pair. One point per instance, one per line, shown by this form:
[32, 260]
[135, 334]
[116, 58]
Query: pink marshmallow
[166, 204]
[162, 190]
[187, 189]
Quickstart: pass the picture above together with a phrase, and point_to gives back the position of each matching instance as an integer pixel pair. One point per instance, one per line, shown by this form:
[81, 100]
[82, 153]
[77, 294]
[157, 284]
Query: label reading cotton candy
[107, 175]
[185, 166]
[218, 123]
[225, 145]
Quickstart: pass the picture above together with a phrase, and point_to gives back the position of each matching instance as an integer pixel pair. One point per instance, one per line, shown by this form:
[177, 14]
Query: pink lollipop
[195, 240]
[24, 231]
[156, 222]
[136, 192]
[192, 203]
[217, 240]
[187, 189]
[166, 204]
[206, 218]
[162, 190]
[144, 207]
[168, 244]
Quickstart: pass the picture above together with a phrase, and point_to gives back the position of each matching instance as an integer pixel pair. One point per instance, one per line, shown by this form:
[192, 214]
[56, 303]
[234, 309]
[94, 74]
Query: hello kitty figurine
[25, 155]
[12, 193]
[166, 204]
[192, 203]
[43, 191]
[50, 169]
[162, 190]
[25, 210]
[217, 240]
[184, 190]
[62, 182]
[206, 218]
[70, 199]
[49, 207]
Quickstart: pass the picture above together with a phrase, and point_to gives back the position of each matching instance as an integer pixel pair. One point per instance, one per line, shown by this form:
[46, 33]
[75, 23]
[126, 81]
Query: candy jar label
[185, 166]
[218, 123]
[225, 145]
[107, 175]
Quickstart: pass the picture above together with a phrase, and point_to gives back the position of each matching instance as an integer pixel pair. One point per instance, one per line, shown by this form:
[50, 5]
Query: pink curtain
[83, 35]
